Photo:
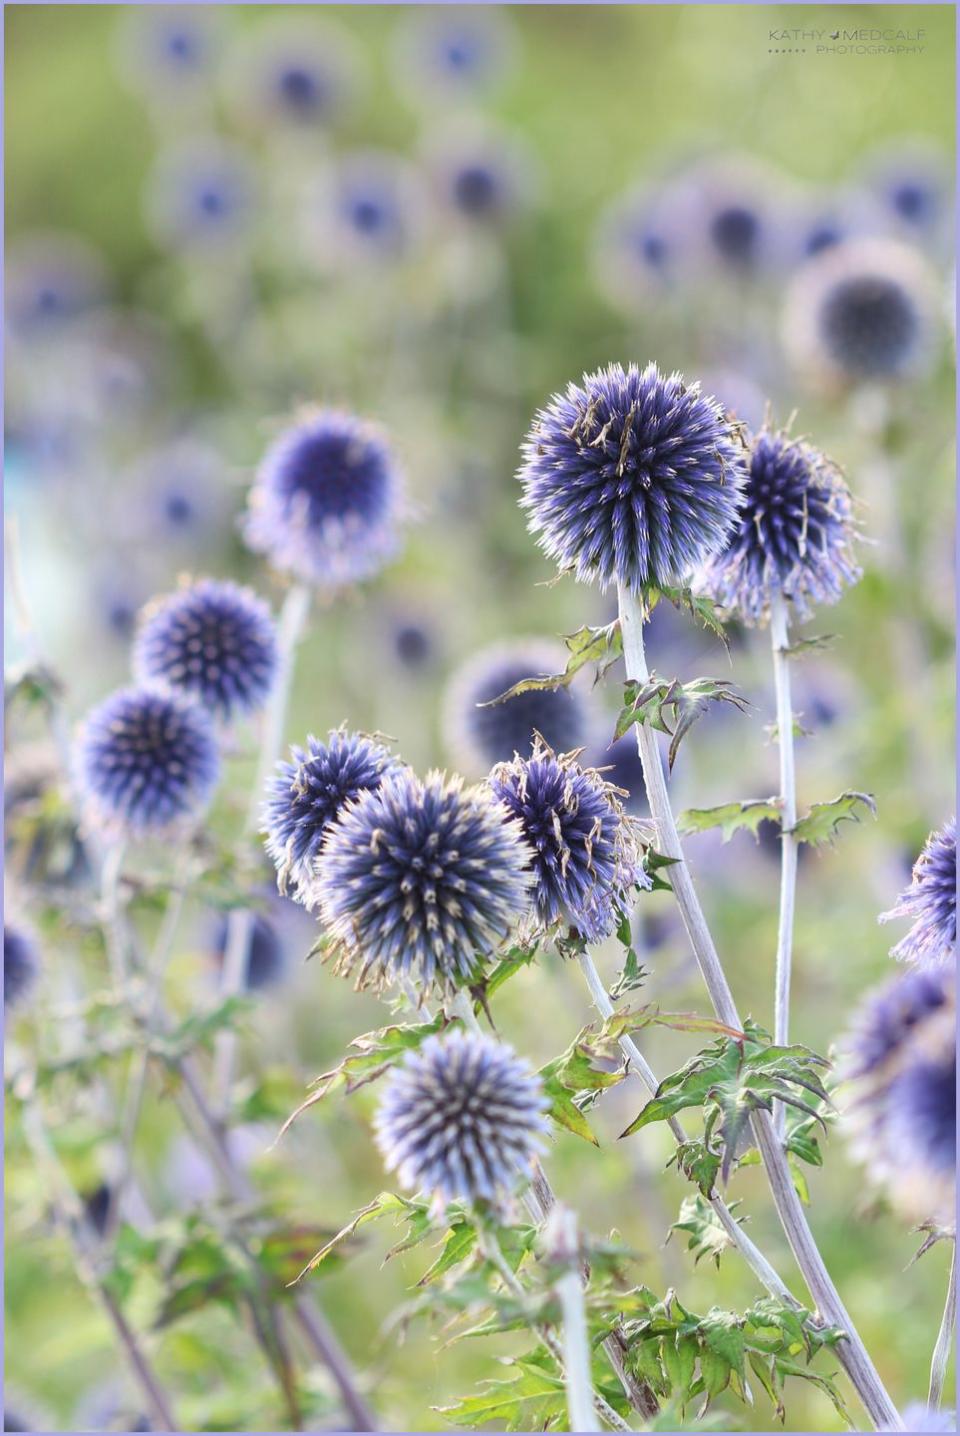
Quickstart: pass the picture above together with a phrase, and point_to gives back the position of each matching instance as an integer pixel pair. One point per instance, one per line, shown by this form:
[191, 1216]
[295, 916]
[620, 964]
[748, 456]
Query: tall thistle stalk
[780, 645]
[945, 1336]
[851, 1351]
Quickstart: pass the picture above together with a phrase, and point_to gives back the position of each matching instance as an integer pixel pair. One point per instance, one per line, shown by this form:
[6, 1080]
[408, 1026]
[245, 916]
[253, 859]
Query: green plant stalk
[945, 1337]
[293, 618]
[638, 1064]
[851, 1351]
[576, 1346]
[780, 644]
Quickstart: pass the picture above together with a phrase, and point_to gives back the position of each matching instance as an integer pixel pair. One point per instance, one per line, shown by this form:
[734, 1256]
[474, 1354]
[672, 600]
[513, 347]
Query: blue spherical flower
[146, 761]
[213, 641]
[298, 71]
[49, 279]
[179, 494]
[911, 181]
[861, 311]
[326, 502]
[201, 195]
[931, 899]
[917, 1417]
[21, 964]
[451, 54]
[462, 1120]
[637, 249]
[267, 954]
[413, 643]
[902, 1062]
[483, 175]
[169, 49]
[373, 204]
[794, 535]
[585, 852]
[421, 880]
[633, 478]
[480, 736]
[308, 795]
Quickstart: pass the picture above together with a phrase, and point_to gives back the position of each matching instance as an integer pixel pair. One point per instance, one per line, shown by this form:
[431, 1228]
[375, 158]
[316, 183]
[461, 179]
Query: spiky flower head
[146, 761]
[308, 794]
[326, 501]
[201, 195]
[861, 312]
[794, 535]
[421, 880]
[632, 478]
[447, 54]
[585, 851]
[210, 640]
[21, 964]
[462, 1119]
[901, 1059]
[479, 735]
[931, 899]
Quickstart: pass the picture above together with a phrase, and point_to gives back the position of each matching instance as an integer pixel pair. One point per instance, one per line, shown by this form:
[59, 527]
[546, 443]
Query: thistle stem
[751, 1253]
[850, 1350]
[945, 1338]
[576, 1347]
[240, 922]
[780, 644]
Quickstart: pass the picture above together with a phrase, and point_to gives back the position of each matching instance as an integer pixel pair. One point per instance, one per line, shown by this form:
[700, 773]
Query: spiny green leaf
[459, 1244]
[565, 1112]
[630, 978]
[533, 1399]
[815, 643]
[588, 645]
[708, 1236]
[673, 707]
[730, 817]
[386, 1204]
[820, 824]
[702, 608]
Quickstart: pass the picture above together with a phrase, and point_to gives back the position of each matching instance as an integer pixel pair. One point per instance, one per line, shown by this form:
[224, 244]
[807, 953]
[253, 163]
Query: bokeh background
[190, 256]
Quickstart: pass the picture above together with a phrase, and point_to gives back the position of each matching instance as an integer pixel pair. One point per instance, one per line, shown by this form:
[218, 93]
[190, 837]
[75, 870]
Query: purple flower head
[373, 205]
[299, 73]
[201, 196]
[917, 1417]
[482, 174]
[180, 493]
[637, 248]
[901, 1057]
[413, 643]
[794, 535]
[480, 736]
[462, 1120]
[585, 853]
[21, 964]
[213, 641]
[451, 54]
[309, 794]
[146, 762]
[267, 957]
[734, 213]
[326, 501]
[911, 183]
[49, 280]
[421, 880]
[861, 311]
[169, 49]
[632, 478]
[931, 900]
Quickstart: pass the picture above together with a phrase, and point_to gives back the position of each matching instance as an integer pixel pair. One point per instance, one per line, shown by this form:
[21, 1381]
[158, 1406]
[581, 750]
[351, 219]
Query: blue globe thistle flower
[735, 212]
[267, 955]
[146, 761]
[794, 535]
[366, 210]
[918, 1417]
[451, 54]
[307, 796]
[638, 248]
[21, 965]
[413, 643]
[901, 1057]
[480, 736]
[861, 311]
[462, 1120]
[201, 195]
[483, 175]
[421, 880]
[299, 72]
[180, 493]
[326, 502]
[210, 640]
[168, 49]
[633, 478]
[911, 182]
[931, 899]
[585, 853]
[49, 280]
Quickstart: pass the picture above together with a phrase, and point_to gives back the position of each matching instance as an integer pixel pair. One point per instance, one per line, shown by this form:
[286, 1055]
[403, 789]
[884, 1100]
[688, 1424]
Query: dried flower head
[307, 796]
[633, 478]
[931, 899]
[210, 640]
[585, 852]
[325, 504]
[146, 761]
[462, 1119]
[421, 880]
[794, 536]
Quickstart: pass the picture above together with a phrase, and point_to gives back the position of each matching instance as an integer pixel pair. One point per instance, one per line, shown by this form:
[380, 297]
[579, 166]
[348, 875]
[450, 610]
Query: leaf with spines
[672, 707]
[820, 824]
[707, 1235]
[730, 818]
[816, 643]
[602, 646]
[698, 605]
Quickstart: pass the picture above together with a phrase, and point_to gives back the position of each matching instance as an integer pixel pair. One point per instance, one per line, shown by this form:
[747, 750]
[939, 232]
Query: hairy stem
[233, 978]
[576, 1345]
[780, 643]
[945, 1337]
[851, 1350]
[751, 1253]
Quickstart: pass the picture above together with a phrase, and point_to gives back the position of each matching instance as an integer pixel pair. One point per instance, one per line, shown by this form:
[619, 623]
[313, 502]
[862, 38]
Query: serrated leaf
[730, 818]
[511, 963]
[565, 1112]
[820, 824]
[698, 1162]
[815, 643]
[587, 645]
[386, 1204]
[533, 1399]
[708, 1237]
[459, 1244]
[715, 1372]
[722, 1331]
[672, 707]
[702, 608]
[630, 978]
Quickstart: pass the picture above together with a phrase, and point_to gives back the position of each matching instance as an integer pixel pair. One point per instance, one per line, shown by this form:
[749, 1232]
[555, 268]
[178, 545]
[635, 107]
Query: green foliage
[816, 643]
[822, 821]
[730, 818]
[698, 605]
[708, 1236]
[673, 707]
[531, 1399]
[601, 646]
[730, 1079]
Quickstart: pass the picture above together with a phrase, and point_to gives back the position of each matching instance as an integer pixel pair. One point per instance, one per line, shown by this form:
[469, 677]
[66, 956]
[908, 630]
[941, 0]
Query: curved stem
[780, 643]
[851, 1350]
[945, 1337]
[240, 922]
[751, 1253]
